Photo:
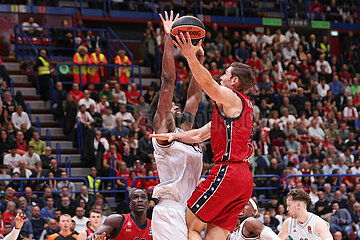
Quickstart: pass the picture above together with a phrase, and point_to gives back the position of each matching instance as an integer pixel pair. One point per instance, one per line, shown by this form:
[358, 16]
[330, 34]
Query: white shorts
[169, 221]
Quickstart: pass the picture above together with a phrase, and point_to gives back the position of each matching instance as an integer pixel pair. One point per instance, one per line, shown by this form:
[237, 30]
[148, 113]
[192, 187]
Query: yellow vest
[326, 48]
[126, 70]
[92, 69]
[91, 184]
[83, 68]
[42, 70]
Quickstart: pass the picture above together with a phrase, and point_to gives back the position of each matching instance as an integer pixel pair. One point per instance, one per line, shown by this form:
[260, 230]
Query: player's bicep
[322, 228]
[284, 233]
[254, 226]
[220, 94]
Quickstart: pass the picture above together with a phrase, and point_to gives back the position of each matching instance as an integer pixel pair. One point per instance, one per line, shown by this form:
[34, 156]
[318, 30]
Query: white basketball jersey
[238, 233]
[304, 231]
[179, 166]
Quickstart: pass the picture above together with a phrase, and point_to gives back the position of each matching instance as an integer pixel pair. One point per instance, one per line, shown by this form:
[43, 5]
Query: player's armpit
[284, 233]
[322, 228]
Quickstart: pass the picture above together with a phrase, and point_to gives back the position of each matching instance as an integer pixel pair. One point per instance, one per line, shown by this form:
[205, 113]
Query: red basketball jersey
[130, 230]
[89, 231]
[231, 138]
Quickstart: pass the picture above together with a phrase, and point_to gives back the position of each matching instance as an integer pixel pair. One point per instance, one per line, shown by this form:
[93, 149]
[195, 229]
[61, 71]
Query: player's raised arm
[110, 226]
[194, 93]
[163, 117]
[188, 137]
[284, 233]
[202, 75]
[265, 233]
[322, 229]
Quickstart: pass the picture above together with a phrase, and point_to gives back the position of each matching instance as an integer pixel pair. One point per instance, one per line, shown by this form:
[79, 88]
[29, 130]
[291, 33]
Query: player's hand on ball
[95, 236]
[163, 136]
[187, 48]
[168, 22]
[19, 220]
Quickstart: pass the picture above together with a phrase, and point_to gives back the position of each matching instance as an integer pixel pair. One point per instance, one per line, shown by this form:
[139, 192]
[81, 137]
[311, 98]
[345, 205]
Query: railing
[112, 191]
[28, 110]
[58, 154]
[339, 176]
[12, 90]
[22, 180]
[48, 138]
[80, 136]
[68, 166]
[38, 125]
[51, 93]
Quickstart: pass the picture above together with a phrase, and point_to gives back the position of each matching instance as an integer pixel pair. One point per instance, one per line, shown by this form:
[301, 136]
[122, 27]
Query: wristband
[188, 117]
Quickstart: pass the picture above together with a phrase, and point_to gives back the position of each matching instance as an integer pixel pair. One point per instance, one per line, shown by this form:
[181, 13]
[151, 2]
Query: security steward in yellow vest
[42, 68]
[95, 74]
[325, 47]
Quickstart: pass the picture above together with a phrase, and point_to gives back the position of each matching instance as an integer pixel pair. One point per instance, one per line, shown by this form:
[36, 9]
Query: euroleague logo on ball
[194, 32]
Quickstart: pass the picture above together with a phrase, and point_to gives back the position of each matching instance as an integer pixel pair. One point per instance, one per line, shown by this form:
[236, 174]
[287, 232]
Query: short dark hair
[95, 211]
[299, 195]
[245, 74]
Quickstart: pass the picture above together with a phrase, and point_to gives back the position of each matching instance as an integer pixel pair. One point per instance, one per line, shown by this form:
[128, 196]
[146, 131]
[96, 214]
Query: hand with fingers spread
[19, 220]
[187, 48]
[164, 136]
[168, 22]
[95, 236]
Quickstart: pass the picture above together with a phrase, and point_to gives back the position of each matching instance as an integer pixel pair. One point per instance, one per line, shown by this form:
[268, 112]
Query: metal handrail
[48, 138]
[12, 90]
[112, 191]
[38, 125]
[58, 154]
[28, 110]
[80, 136]
[51, 93]
[68, 165]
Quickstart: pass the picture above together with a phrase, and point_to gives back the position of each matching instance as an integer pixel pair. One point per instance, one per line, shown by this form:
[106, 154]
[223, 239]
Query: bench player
[251, 228]
[219, 199]
[179, 165]
[134, 225]
[303, 224]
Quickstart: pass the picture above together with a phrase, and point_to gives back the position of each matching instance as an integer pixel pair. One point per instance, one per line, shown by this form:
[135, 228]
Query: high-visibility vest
[83, 68]
[124, 62]
[91, 184]
[326, 48]
[92, 69]
[42, 70]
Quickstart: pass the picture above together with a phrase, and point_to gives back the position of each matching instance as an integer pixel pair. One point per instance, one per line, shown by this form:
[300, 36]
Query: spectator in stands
[9, 215]
[96, 116]
[93, 185]
[50, 229]
[66, 183]
[127, 118]
[133, 94]
[84, 117]
[115, 104]
[141, 108]
[19, 117]
[112, 158]
[31, 28]
[146, 148]
[254, 62]
[38, 223]
[86, 100]
[323, 63]
[48, 211]
[28, 133]
[54, 168]
[5, 144]
[149, 95]
[108, 119]
[121, 94]
[101, 144]
[8, 105]
[59, 96]
[65, 206]
[38, 145]
[31, 158]
[81, 58]
[21, 143]
[106, 92]
[43, 71]
[27, 209]
[106, 211]
[95, 74]
[119, 131]
[128, 157]
[12, 159]
[22, 170]
[46, 158]
[122, 72]
[76, 93]
[289, 53]
[84, 194]
[340, 220]
[182, 77]
[339, 199]
[80, 220]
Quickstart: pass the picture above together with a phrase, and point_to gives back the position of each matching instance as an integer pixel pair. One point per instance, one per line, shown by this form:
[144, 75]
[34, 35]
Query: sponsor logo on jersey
[309, 229]
[150, 232]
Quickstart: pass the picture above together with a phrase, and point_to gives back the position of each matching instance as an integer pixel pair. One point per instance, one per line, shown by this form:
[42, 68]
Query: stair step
[63, 144]
[37, 104]
[12, 65]
[66, 151]
[26, 91]
[19, 78]
[39, 110]
[23, 84]
[47, 124]
[9, 59]
[75, 158]
[43, 117]
[143, 70]
[55, 138]
[80, 172]
[31, 97]
[19, 72]
[53, 131]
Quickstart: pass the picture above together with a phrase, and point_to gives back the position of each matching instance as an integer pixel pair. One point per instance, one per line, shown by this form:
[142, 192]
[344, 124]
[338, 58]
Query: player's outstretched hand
[95, 236]
[187, 48]
[168, 22]
[19, 220]
[164, 136]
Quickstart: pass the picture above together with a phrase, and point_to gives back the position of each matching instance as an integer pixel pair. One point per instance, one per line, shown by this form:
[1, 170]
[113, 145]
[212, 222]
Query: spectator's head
[342, 187]
[7, 228]
[50, 202]
[65, 23]
[321, 195]
[65, 223]
[82, 108]
[285, 111]
[59, 86]
[22, 202]
[119, 122]
[297, 200]
[22, 164]
[313, 188]
[117, 87]
[65, 191]
[98, 134]
[122, 108]
[112, 149]
[86, 94]
[338, 195]
[57, 215]
[19, 110]
[36, 212]
[9, 191]
[335, 206]
[65, 201]
[48, 151]
[106, 88]
[93, 171]
[138, 164]
[327, 188]
[99, 199]
[95, 218]
[28, 193]
[53, 224]
[92, 108]
[103, 99]
[97, 50]
[82, 50]
[11, 206]
[30, 150]
[82, 203]
[338, 234]
[122, 53]
[267, 219]
[138, 201]
[330, 161]
[53, 164]
[80, 212]
[238, 76]
[133, 87]
[115, 98]
[122, 166]
[75, 87]
[20, 136]
[84, 190]
[64, 174]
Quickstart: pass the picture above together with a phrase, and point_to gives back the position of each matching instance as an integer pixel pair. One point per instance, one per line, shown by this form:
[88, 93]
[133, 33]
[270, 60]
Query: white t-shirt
[87, 103]
[17, 120]
[31, 161]
[12, 161]
[126, 117]
[28, 173]
[80, 223]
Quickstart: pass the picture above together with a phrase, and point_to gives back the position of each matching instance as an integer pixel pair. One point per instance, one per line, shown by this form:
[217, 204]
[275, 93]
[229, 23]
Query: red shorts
[221, 197]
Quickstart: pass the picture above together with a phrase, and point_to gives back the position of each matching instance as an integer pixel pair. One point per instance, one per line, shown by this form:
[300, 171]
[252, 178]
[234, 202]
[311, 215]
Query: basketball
[189, 24]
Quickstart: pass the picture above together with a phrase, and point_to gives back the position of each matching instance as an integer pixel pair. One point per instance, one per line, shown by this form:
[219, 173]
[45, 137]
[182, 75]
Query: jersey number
[139, 238]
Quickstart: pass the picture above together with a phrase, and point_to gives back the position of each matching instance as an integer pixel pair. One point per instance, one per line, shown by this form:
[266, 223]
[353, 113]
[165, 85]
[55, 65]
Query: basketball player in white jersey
[179, 165]
[251, 228]
[303, 225]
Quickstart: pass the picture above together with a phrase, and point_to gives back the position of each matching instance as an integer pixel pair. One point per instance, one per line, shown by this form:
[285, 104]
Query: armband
[187, 117]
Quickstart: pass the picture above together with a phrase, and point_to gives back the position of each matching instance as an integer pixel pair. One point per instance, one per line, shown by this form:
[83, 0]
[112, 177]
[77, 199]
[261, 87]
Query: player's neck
[303, 216]
[140, 218]
[65, 232]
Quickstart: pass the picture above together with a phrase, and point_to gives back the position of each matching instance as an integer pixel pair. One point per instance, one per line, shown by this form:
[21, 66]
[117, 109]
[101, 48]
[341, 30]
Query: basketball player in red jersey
[134, 225]
[95, 222]
[219, 199]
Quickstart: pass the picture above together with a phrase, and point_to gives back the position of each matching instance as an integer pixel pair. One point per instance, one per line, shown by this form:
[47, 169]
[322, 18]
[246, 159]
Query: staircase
[42, 110]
